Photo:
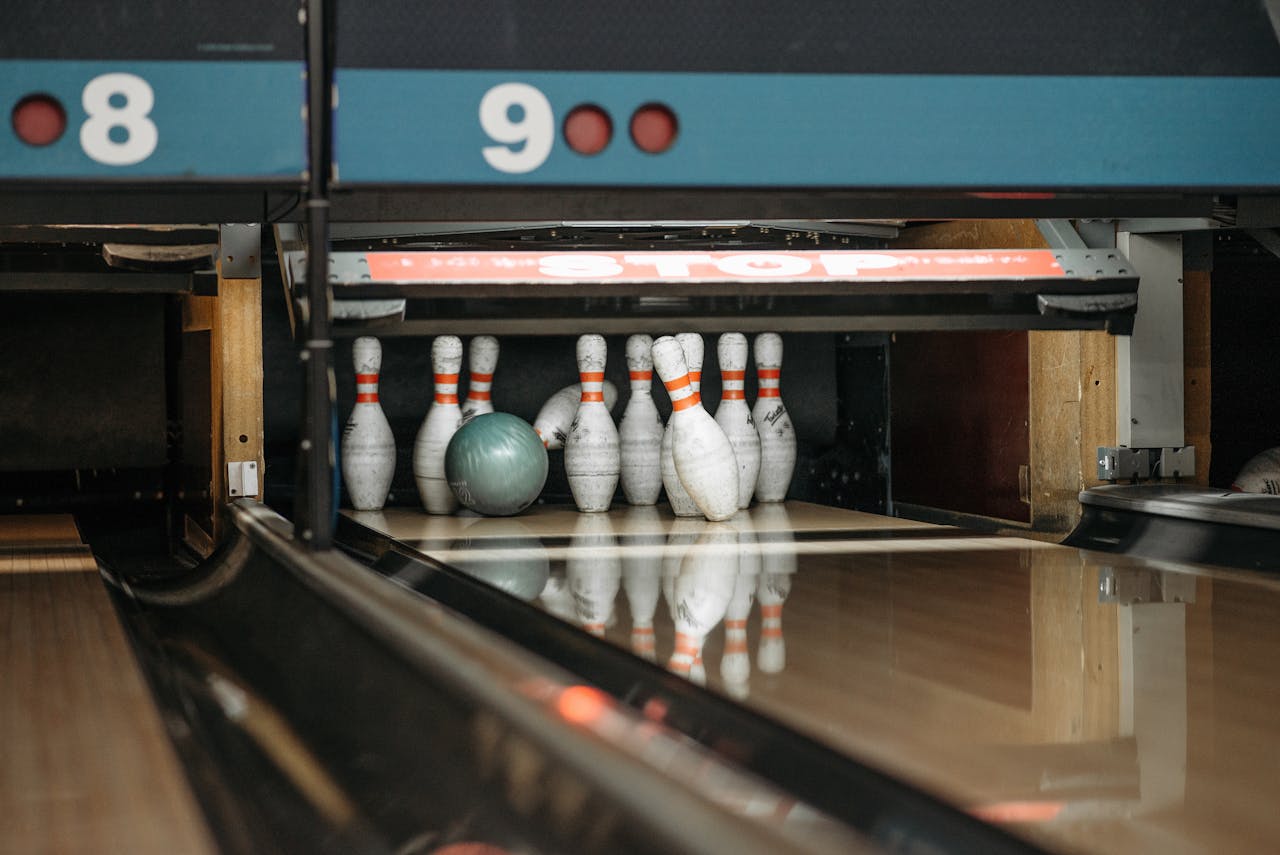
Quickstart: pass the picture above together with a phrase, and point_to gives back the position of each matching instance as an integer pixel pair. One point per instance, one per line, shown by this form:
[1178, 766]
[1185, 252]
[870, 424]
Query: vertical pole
[313, 508]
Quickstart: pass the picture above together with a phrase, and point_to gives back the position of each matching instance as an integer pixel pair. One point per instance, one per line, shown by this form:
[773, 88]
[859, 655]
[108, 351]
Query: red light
[39, 119]
[582, 704]
[1018, 812]
[654, 128]
[588, 129]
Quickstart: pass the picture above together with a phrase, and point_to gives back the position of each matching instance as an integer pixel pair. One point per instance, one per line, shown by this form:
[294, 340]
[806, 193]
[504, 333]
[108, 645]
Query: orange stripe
[770, 392]
[641, 375]
[677, 383]
[695, 376]
[738, 646]
[443, 398]
[769, 373]
[685, 645]
[481, 378]
[642, 630]
[593, 396]
[735, 624]
[771, 632]
[733, 375]
[770, 611]
[479, 395]
[591, 376]
[686, 403]
[367, 398]
[366, 378]
[733, 395]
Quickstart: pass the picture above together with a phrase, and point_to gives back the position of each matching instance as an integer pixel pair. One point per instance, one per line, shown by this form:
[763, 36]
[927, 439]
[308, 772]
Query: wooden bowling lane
[86, 765]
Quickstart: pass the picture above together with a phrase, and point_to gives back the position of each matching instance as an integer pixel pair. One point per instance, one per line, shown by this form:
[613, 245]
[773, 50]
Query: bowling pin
[642, 575]
[777, 567]
[777, 436]
[640, 430]
[681, 503]
[594, 572]
[592, 455]
[482, 358]
[734, 416]
[553, 420]
[368, 447]
[439, 427]
[702, 454]
[735, 664]
[701, 593]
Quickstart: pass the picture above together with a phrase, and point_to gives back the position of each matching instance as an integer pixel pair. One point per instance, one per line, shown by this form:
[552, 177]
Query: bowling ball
[496, 464]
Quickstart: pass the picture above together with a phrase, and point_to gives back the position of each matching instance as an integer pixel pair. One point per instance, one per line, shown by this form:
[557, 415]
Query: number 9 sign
[535, 127]
[135, 99]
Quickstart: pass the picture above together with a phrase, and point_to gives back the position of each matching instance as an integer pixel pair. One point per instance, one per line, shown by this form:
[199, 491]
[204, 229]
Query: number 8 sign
[134, 100]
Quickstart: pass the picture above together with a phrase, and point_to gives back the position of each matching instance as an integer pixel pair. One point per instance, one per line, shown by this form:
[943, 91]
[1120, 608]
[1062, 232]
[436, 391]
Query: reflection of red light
[1018, 811]
[39, 119]
[653, 128]
[588, 129]
[655, 709]
[470, 849]
[582, 704]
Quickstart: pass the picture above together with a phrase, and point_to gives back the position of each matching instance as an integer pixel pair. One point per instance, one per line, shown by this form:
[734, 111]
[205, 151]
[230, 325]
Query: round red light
[654, 128]
[588, 129]
[39, 119]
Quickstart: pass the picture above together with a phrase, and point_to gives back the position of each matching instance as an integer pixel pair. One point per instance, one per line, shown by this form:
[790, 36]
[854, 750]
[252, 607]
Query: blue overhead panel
[153, 91]
[984, 95]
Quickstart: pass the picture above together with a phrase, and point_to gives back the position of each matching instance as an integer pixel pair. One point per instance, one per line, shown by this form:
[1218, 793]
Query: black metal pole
[313, 507]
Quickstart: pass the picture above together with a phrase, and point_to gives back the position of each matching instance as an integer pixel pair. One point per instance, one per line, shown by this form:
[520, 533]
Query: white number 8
[131, 115]
[536, 128]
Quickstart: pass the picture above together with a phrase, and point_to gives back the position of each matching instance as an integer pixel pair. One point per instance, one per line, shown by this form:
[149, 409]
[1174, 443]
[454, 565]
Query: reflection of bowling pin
[641, 428]
[555, 417]
[556, 597]
[368, 447]
[681, 503]
[777, 435]
[482, 359]
[703, 456]
[735, 665]
[592, 458]
[594, 571]
[642, 577]
[439, 427]
[777, 566]
[701, 593]
[733, 415]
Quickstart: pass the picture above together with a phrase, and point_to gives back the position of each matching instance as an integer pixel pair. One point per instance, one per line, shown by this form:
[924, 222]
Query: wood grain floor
[85, 763]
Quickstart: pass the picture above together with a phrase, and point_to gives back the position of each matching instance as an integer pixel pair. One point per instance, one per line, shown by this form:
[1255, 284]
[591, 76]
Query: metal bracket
[1141, 464]
[1127, 586]
[240, 250]
[242, 478]
[1060, 234]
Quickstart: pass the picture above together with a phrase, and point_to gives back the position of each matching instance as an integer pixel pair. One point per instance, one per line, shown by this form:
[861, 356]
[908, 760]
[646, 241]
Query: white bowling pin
[682, 505]
[557, 598]
[482, 358]
[553, 420]
[777, 436]
[734, 416]
[735, 664]
[439, 427]
[642, 576]
[592, 454]
[1261, 474]
[777, 567]
[594, 572]
[640, 430]
[701, 593]
[368, 447]
[703, 456]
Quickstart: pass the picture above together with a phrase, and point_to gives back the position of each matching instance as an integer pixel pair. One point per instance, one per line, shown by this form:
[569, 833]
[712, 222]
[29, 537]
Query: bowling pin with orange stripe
[777, 568]
[443, 418]
[554, 417]
[681, 503]
[592, 454]
[482, 360]
[734, 416]
[368, 447]
[777, 435]
[735, 664]
[700, 595]
[641, 431]
[703, 457]
[642, 574]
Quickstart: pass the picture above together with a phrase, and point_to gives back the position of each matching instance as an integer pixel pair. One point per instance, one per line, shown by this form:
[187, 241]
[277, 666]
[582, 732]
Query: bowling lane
[1093, 702]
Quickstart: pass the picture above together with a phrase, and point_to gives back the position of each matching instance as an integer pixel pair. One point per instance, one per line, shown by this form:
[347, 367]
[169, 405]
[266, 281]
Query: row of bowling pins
[709, 466]
[707, 573]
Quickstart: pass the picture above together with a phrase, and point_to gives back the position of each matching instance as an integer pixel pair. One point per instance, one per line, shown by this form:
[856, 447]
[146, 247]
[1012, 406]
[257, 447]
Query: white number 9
[135, 101]
[536, 128]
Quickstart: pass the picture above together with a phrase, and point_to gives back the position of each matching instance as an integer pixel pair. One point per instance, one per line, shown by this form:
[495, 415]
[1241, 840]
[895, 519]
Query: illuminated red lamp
[588, 129]
[654, 128]
[39, 119]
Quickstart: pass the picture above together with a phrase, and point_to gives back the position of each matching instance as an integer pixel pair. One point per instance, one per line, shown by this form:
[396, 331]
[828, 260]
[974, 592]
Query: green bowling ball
[496, 464]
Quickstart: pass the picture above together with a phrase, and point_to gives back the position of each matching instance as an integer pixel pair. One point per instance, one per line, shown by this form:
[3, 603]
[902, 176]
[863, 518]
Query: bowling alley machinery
[496, 428]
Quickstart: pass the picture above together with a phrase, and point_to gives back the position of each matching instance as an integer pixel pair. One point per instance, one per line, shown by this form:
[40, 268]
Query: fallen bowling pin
[482, 359]
[703, 457]
[592, 450]
[701, 594]
[640, 430]
[441, 423]
[734, 416]
[682, 505]
[777, 435]
[368, 446]
[553, 420]
[1261, 474]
